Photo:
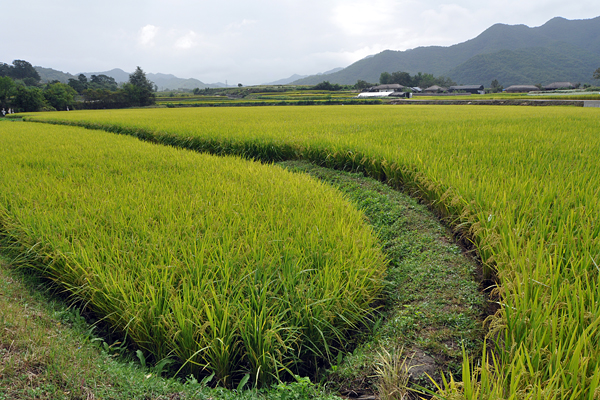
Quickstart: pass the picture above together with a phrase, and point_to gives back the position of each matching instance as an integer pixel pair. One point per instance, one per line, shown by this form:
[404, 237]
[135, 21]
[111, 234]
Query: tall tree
[27, 99]
[80, 84]
[103, 82]
[597, 74]
[496, 87]
[140, 89]
[423, 80]
[59, 96]
[77, 85]
[402, 78]
[326, 85]
[5, 69]
[385, 78]
[360, 85]
[7, 90]
[420, 79]
[444, 81]
[22, 70]
[139, 79]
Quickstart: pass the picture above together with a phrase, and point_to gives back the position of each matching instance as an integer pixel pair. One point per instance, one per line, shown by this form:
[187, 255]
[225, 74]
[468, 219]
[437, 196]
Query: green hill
[49, 75]
[162, 81]
[528, 66]
[583, 33]
[567, 42]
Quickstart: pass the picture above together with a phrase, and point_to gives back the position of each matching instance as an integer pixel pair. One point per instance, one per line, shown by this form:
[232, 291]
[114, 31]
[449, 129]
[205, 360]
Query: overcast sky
[245, 41]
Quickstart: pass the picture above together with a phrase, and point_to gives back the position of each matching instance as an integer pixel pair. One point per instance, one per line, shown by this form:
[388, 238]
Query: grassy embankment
[433, 307]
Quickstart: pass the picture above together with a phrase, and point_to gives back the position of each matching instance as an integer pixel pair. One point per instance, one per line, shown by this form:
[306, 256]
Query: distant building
[521, 89]
[406, 95]
[560, 85]
[394, 87]
[435, 89]
[375, 94]
[473, 89]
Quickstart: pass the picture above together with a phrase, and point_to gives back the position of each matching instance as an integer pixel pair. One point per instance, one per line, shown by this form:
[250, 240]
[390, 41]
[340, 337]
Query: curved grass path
[521, 183]
[433, 305]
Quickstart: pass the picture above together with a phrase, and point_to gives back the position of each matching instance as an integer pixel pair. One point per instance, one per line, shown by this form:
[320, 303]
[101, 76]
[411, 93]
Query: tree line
[402, 78]
[22, 91]
[418, 80]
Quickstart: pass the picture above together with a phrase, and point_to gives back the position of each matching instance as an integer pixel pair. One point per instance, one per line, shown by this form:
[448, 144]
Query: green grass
[433, 307]
[48, 351]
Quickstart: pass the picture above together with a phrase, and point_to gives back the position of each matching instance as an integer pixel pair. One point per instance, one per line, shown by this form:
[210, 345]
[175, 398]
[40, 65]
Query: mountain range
[163, 81]
[559, 50]
[296, 77]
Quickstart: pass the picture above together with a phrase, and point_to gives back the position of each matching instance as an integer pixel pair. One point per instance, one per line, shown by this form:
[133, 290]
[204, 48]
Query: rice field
[227, 266]
[521, 183]
[518, 96]
[296, 97]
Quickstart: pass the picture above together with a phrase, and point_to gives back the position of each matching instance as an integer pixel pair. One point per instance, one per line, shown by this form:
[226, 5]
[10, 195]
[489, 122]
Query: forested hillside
[561, 49]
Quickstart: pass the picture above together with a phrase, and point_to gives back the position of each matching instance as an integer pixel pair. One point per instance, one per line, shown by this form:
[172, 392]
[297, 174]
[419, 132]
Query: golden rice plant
[226, 265]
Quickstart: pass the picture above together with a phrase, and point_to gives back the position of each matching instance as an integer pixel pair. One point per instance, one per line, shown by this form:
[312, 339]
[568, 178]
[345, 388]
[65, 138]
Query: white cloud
[440, 21]
[359, 17]
[187, 41]
[242, 24]
[252, 42]
[147, 34]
